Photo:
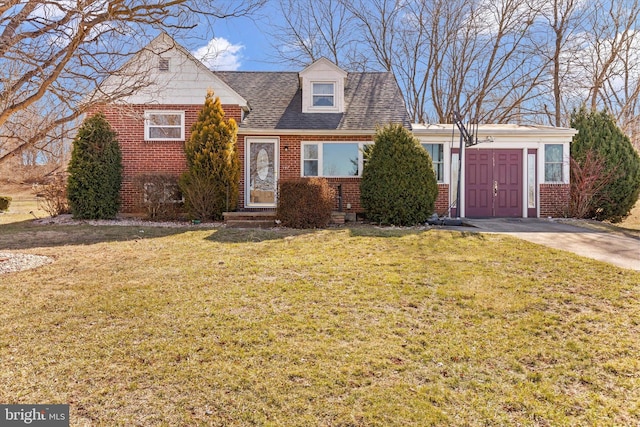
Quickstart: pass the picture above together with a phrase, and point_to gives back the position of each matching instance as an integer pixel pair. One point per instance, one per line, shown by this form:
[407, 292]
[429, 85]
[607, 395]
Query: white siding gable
[323, 87]
[185, 82]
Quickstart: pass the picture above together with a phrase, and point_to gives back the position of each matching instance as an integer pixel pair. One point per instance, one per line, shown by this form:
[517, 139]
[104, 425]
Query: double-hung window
[553, 162]
[332, 159]
[436, 151]
[323, 94]
[164, 126]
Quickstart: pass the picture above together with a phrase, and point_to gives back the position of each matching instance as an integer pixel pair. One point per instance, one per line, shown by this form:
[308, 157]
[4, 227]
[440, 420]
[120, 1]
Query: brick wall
[141, 157]
[167, 157]
[442, 201]
[290, 146]
[554, 200]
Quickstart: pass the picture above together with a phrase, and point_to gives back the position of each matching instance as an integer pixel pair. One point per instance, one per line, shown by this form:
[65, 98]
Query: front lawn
[341, 327]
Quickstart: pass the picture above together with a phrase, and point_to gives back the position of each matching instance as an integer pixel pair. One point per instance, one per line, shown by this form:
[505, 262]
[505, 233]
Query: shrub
[160, 195]
[588, 178]
[305, 203]
[5, 202]
[398, 184]
[53, 196]
[95, 171]
[210, 185]
[598, 133]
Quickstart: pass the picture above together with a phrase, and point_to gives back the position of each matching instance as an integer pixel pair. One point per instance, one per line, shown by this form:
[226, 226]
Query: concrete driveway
[615, 247]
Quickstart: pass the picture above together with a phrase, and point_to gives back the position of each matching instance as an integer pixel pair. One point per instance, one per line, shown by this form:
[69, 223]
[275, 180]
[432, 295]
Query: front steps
[265, 219]
[262, 219]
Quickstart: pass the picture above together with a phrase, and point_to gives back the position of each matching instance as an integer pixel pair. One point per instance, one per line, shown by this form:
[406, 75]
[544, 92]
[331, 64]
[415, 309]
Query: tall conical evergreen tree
[598, 132]
[95, 171]
[398, 183]
[210, 185]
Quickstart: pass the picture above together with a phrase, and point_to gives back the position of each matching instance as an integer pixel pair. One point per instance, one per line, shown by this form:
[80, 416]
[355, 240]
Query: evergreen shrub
[600, 138]
[95, 171]
[398, 186]
[210, 185]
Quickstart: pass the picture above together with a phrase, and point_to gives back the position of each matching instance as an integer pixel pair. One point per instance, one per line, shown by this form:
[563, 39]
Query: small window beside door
[553, 163]
[436, 151]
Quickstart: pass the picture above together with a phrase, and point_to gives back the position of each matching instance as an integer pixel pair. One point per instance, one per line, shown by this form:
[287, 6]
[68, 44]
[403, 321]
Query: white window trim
[333, 95]
[443, 162]
[320, 144]
[565, 164]
[147, 126]
[338, 96]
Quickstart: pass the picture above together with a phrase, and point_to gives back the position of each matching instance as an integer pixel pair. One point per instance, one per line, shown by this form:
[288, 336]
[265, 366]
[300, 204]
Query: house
[316, 122]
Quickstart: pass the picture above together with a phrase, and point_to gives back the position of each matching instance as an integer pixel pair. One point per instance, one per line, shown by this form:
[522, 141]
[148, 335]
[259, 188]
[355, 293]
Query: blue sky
[236, 44]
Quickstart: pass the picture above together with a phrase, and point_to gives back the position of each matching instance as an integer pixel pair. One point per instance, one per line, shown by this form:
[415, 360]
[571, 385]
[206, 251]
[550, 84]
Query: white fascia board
[484, 131]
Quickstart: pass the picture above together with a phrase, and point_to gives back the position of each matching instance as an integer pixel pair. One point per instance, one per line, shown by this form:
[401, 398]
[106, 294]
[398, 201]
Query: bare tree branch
[55, 54]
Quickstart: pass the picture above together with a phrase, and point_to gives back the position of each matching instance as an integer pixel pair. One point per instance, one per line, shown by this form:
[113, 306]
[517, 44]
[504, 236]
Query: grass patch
[341, 327]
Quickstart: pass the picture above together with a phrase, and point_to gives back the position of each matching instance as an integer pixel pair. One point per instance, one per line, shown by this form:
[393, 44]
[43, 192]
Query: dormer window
[323, 84]
[323, 94]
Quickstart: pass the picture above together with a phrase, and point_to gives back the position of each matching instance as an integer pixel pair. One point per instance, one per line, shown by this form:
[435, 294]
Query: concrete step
[248, 216]
[338, 217]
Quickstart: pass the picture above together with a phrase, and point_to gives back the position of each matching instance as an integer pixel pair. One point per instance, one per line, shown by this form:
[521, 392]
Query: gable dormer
[323, 87]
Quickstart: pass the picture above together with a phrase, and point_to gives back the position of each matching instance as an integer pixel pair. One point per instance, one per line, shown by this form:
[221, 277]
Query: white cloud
[220, 54]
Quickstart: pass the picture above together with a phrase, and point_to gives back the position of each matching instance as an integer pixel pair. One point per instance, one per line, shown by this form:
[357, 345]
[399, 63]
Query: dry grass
[633, 220]
[342, 327]
[24, 205]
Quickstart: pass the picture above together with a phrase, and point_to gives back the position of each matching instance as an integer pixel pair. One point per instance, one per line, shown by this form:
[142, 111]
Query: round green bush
[398, 184]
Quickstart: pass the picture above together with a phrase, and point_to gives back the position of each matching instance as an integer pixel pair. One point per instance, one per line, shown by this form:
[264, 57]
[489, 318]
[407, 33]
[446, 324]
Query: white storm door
[261, 171]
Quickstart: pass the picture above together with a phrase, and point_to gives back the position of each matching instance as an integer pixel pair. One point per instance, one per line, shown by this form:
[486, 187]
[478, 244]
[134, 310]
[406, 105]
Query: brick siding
[140, 157]
[442, 201]
[554, 200]
[290, 146]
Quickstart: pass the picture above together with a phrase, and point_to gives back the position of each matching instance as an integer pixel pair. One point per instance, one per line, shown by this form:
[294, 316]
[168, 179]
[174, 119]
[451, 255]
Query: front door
[261, 169]
[493, 183]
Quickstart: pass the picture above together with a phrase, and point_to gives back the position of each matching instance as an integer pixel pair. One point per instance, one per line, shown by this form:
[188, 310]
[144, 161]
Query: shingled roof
[275, 99]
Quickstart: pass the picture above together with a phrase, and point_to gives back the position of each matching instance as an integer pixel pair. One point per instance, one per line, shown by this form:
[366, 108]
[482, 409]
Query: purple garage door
[493, 183]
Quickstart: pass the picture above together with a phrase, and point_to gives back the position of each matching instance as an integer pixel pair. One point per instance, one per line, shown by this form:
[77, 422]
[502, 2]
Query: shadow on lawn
[246, 235]
[369, 230]
[255, 235]
[29, 234]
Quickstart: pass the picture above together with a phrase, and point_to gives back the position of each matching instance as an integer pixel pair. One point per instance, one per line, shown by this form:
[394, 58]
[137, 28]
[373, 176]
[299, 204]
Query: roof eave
[313, 132]
[493, 131]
